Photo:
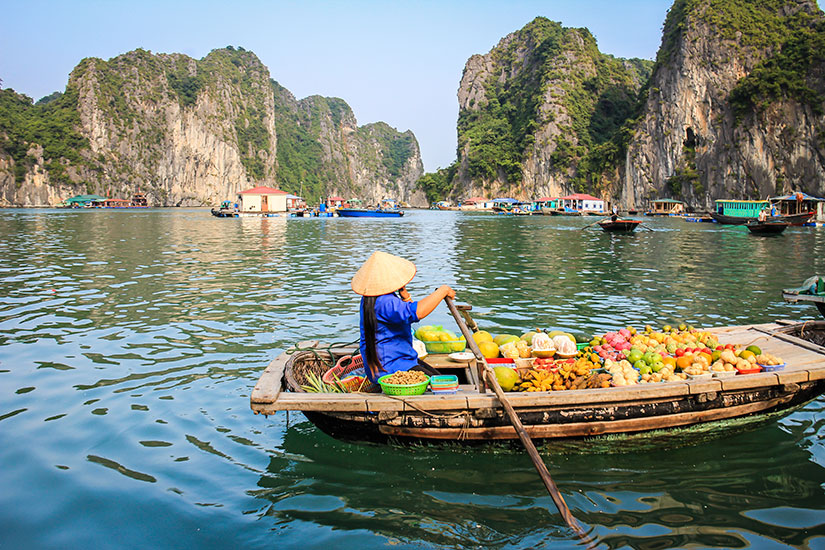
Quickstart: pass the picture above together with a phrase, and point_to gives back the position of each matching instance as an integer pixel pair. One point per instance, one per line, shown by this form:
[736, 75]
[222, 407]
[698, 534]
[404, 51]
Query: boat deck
[805, 362]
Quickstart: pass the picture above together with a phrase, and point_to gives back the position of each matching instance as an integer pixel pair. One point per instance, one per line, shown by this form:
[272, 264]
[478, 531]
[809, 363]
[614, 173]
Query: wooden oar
[594, 223]
[490, 376]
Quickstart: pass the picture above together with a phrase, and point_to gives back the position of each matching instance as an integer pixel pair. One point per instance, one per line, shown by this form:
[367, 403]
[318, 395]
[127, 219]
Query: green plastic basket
[403, 389]
[581, 345]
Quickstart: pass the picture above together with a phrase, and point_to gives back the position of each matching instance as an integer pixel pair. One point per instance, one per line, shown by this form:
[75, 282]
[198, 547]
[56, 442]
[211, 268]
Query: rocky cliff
[193, 132]
[735, 105]
[537, 113]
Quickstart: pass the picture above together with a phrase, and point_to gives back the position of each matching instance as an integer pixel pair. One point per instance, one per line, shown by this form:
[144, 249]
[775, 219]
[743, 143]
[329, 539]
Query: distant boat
[225, 210]
[620, 226]
[767, 228]
[369, 213]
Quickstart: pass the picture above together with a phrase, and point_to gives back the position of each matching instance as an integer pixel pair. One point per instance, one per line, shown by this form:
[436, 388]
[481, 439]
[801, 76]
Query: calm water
[130, 341]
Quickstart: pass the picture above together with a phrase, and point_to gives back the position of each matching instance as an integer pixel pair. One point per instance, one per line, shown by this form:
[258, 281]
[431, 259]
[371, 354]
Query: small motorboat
[767, 227]
[619, 226]
[225, 210]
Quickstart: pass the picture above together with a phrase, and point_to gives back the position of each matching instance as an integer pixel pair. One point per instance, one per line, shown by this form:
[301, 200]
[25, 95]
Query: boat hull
[547, 424]
[793, 219]
[620, 226]
[766, 228]
[362, 213]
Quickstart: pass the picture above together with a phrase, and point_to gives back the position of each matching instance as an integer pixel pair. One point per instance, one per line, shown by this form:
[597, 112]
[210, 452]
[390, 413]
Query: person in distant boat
[615, 215]
[763, 215]
[388, 312]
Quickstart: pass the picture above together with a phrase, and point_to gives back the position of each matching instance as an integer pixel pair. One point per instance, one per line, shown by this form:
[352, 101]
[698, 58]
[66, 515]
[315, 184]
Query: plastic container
[703, 376]
[753, 370]
[444, 383]
[582, 345]
[501, 361]
[445, 346]
[403, 389]
[771, 368]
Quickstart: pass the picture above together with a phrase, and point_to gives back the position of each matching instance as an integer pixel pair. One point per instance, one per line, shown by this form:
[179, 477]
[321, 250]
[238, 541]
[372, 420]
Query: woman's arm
[428, 304]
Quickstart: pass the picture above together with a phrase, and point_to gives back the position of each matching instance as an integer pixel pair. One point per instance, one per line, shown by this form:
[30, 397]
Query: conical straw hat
[382, 273]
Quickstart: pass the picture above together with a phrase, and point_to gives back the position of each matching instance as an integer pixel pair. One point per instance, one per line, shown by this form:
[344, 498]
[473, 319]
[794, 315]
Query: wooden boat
[474, 415]
[225, 210]
[766, 227]
[618, 226]
[369, 213]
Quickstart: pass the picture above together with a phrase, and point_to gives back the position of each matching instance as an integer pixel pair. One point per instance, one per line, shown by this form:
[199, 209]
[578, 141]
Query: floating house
[294, 202]
[262, 201]
[582, 202]
[81, 201]
[476, 203]
[335, 202]
[666, 207]
[547, 203]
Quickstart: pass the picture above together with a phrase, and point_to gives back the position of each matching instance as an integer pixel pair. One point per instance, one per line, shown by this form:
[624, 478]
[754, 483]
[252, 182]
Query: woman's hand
[428, 304]
[405, 294]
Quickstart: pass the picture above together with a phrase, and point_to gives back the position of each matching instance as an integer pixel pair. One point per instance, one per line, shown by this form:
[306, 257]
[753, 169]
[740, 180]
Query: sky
[394, 61]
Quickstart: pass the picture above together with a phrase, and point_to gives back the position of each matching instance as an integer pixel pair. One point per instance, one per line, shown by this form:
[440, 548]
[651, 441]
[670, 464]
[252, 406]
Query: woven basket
[342, 368]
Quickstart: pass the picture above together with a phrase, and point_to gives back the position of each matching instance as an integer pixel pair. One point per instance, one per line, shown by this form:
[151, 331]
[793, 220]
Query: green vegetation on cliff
[795, 73]
[557, 78]
[53, 125]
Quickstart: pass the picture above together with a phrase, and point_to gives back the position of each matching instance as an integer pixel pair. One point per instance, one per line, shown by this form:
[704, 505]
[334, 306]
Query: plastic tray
[501, 361]
[753, 370]
[725, 374]
[703, 376]
[771, 368]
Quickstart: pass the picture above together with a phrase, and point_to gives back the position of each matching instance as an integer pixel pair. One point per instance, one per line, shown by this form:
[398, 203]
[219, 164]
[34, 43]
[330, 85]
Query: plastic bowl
[403, 389]
[543, 353]
[461, 356]
[566, 355]
[445, 346]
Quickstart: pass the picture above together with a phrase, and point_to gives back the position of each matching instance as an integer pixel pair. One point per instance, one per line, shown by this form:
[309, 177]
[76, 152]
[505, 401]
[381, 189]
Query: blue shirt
[393, 335]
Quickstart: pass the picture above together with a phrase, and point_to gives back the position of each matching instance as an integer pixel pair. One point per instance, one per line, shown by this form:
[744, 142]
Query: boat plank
[584, 429]
[749, 381]
[270, 383]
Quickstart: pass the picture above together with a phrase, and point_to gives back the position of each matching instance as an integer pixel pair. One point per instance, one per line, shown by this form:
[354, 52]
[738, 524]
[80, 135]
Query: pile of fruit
[625, 357]
[438, 340]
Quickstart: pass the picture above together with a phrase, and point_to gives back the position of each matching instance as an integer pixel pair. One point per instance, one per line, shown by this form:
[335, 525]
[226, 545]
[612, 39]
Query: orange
[684, 361]
[669, 360]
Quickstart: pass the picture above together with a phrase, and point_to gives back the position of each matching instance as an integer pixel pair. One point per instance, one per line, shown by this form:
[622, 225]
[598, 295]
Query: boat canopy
[797, 196]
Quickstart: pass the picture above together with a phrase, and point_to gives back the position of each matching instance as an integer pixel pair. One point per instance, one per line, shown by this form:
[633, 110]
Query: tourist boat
[619, 226]
[475, 415]
[225, 210]
[766, 227]
[740, 212]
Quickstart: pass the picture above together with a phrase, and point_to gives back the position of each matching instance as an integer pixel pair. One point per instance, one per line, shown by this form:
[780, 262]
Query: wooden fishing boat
[620, 226]
[475, 415]
[766, 227]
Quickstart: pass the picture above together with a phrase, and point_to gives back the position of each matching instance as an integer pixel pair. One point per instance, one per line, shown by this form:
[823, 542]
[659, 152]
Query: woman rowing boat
[388, 312]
